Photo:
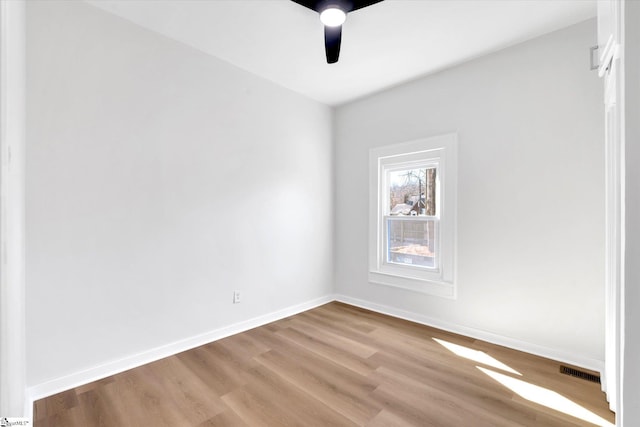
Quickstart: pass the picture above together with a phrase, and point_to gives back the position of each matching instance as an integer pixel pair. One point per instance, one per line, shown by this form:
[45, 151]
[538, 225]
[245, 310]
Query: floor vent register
[579, 374]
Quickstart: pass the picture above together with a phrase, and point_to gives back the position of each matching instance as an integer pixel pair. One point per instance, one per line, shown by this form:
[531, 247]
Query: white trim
[12, 258]
[527, 347]
[76, 379]
[611, 69]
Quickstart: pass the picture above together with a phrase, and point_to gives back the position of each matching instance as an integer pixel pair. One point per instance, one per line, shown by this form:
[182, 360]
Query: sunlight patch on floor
[546, 397]
[475, 355]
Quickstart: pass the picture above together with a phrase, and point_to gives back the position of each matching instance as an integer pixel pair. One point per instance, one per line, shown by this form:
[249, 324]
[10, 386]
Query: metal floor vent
[579, 374]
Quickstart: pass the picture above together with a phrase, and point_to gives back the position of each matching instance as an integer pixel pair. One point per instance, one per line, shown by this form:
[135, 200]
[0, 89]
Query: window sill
[429, 287]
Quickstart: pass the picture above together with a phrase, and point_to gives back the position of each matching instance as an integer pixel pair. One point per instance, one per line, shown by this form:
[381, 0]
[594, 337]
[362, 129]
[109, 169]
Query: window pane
[412, 242]
[413, 192]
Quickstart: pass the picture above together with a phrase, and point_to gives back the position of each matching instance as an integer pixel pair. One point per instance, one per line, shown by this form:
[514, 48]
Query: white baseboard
[76, 379]
[538, 350]
[28, 408]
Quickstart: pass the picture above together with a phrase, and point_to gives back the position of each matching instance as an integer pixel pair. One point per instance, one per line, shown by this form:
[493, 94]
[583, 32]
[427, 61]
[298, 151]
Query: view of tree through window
[413, 190]
[412, 193]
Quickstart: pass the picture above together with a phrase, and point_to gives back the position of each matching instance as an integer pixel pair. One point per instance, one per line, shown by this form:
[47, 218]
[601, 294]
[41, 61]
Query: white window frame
[440, 150]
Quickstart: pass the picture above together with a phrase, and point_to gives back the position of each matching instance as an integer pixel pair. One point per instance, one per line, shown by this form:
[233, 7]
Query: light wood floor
[335, 365]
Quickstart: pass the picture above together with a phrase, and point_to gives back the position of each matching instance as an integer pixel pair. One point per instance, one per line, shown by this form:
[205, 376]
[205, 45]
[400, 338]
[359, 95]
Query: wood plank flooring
[336, 365]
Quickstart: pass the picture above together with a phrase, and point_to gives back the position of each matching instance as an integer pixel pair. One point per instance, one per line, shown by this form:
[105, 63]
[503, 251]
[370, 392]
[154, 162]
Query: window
[413, 218]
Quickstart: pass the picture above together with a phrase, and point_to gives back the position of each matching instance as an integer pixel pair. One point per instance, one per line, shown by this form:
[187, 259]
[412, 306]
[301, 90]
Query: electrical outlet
[236, 297]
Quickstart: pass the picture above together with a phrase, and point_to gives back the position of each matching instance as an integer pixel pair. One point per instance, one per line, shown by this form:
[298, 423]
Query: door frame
[13, 399]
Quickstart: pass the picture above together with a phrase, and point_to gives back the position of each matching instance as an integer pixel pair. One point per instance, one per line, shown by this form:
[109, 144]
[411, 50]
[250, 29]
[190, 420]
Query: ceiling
[382, 45]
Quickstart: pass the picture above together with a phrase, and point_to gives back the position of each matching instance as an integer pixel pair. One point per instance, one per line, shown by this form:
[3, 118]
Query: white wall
[530, 193]
[159, 179]
[631, 370]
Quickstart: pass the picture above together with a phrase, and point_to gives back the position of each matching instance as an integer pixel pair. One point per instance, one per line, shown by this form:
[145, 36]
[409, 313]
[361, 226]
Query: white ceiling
[382, 45]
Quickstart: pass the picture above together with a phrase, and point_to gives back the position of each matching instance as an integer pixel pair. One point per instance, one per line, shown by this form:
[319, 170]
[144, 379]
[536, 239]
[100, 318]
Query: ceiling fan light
[333, 16]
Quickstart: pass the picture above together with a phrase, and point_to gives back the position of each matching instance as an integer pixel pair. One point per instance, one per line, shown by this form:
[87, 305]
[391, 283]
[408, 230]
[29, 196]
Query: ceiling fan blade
[346, 5]
[311, 4]
[332, 40]
[359, 4]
